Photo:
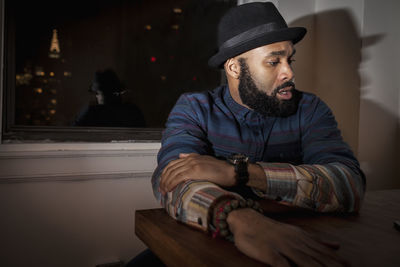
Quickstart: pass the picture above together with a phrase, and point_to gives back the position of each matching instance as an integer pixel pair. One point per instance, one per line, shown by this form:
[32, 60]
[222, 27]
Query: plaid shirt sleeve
[330, 180]
[189, 202]
[332, 187]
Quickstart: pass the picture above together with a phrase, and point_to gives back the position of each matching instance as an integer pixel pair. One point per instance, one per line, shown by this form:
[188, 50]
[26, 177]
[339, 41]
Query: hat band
[250, 34]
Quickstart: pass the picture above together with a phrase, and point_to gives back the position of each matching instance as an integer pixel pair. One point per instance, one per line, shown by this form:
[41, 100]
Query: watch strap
[240, 162]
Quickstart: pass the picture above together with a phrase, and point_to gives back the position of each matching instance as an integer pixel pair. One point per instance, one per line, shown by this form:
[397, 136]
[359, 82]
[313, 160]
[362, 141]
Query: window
[66, 62]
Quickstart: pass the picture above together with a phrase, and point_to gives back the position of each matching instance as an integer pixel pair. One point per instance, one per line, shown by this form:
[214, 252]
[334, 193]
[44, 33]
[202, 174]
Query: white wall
[72, 204]
[71, 223]
[380, 94]
[338, 56]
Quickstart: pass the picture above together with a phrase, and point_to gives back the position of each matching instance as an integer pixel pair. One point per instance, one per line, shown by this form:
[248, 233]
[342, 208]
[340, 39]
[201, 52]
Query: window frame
[12, 133]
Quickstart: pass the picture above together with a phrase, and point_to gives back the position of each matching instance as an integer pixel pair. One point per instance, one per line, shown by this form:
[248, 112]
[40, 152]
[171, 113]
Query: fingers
[273, 258]
[301, 258]
[323, 255]
[305, 251]
[174, 164]
[175, 172]
[177, 176]
[264, 253]
[196, 167]
[327, 243]
[256, 236]
[322, 245]
[171, 174]
[322, 252]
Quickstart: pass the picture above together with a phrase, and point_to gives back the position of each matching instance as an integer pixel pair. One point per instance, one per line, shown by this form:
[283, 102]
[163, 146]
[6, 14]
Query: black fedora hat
[249, 26]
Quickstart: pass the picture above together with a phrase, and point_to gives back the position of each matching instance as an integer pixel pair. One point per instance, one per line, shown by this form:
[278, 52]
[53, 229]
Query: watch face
[235, 158]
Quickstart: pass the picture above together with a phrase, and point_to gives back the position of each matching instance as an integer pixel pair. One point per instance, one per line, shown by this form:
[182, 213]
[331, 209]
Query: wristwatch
[240, 161]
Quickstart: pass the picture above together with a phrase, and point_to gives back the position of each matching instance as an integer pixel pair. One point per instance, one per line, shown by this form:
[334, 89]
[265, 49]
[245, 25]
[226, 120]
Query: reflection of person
[109, 110]
[259, 138]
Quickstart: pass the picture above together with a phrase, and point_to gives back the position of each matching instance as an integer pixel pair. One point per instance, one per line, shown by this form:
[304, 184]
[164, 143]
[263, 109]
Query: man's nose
[286, 72]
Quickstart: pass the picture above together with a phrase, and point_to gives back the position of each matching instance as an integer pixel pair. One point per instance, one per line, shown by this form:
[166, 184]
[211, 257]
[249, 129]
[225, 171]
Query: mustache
[284, 85]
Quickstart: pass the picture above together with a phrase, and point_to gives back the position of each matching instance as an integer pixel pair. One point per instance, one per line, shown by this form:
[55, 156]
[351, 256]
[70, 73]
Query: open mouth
[285, 93]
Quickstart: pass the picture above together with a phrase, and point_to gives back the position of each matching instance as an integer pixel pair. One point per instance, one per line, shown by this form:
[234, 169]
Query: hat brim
[294, 34]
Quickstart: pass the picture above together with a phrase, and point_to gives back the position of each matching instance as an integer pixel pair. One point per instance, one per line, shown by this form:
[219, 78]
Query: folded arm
[329, 180]
[332, 187]
[185, 199]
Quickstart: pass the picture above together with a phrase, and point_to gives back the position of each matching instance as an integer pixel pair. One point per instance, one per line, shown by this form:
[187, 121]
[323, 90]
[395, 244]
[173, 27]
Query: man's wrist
[220, 226]
[240, 163]
[238, 219]
[257, 177]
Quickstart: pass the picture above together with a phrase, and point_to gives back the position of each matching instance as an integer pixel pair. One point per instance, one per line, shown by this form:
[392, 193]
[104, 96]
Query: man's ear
[232, 68]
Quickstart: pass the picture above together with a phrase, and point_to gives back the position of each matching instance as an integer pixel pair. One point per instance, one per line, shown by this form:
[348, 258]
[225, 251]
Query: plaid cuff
[197, 200]
[281, 182]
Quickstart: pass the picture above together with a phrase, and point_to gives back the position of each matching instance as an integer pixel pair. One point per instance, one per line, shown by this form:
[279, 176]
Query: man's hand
[196, 167]
[279, 244]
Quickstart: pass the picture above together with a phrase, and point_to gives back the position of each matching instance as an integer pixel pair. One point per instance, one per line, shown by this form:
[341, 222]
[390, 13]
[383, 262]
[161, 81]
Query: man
[259, 138]
[109, 110]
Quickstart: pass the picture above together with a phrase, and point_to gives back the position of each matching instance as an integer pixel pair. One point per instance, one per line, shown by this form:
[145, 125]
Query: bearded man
[257, 137]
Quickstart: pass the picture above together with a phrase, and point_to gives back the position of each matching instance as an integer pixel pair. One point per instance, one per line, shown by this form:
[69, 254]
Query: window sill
[40, 147]
[76, 161]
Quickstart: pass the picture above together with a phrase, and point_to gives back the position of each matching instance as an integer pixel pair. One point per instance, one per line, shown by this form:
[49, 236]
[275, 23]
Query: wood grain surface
[366, 239]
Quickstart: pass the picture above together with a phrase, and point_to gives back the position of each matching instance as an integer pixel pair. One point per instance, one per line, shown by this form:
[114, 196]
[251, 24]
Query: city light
[177, 10]
[39, 73]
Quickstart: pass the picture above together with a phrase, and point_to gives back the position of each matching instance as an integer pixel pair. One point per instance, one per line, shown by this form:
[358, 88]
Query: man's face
[266, 80]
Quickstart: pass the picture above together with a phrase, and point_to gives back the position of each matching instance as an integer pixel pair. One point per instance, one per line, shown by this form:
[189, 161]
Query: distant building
[39, 86]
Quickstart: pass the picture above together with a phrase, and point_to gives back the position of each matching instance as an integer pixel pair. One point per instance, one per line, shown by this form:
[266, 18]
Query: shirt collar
[239, 110]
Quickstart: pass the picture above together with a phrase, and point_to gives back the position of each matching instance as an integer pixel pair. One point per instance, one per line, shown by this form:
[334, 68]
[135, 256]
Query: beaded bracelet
[221, 228]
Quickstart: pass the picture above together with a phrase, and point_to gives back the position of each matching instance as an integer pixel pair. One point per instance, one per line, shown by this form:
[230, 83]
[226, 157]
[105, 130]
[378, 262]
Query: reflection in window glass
[109, 63]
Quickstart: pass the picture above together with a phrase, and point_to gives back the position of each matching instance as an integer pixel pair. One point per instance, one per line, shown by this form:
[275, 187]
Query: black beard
[264, 104]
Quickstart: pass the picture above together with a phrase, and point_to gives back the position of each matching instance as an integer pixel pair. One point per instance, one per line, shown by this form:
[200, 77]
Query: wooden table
[366, 239]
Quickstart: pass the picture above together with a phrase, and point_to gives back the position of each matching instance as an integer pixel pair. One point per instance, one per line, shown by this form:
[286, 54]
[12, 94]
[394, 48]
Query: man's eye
[273, 63]
[291, 60]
